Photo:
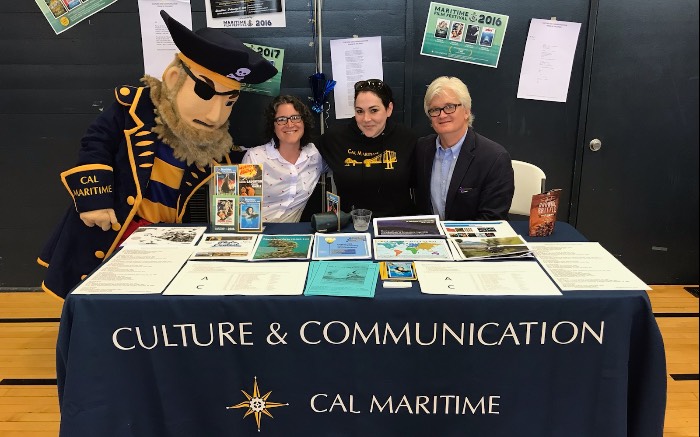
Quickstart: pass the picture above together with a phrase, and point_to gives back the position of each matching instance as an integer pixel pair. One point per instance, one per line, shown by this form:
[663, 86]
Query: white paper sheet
[353, 59]
[222, 278]
[165, 236]
[158, 47]
[136, 270]
[549, 55]
[585, 266]
[484, 278]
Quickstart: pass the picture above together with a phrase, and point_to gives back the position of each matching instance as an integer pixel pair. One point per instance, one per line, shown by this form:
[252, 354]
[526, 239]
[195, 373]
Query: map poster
[464, 35]
[411, 249]
[64, 14]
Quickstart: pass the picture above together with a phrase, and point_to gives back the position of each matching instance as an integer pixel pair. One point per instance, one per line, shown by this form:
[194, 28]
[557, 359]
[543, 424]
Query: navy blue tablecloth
[402, 364]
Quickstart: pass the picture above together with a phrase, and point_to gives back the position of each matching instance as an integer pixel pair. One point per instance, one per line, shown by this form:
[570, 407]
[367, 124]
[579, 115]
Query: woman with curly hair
[291, 162]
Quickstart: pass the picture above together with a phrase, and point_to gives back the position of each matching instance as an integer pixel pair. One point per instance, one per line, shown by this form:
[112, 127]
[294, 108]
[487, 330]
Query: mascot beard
[189, 144]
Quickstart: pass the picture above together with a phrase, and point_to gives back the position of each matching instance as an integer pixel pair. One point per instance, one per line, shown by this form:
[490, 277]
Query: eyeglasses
[372, 84]
[447, 109]
[204, 90]
[281, 121]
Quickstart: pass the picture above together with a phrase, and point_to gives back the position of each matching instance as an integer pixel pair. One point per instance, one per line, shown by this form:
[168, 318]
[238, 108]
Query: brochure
[411, 249]
[473, 249]
[543, 213]
[408, 226]
[225, 247]
[281, 247]
[342, 246]
[342, 278]
[397, 271]
[477, 229]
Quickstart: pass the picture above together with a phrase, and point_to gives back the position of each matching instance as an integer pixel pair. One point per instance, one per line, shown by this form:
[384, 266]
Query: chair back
[529, 180]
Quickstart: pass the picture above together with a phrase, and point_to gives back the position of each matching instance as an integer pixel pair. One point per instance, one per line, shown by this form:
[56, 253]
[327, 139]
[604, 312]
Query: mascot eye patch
[204, 90]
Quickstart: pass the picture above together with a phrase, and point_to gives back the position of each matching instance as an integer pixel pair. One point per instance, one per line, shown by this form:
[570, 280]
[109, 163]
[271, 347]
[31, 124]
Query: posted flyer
[64, 14]
[231, 14]
[464, 35]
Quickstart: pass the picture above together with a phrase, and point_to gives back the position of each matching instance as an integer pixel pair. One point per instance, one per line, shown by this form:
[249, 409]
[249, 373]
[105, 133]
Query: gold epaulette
[125, 94]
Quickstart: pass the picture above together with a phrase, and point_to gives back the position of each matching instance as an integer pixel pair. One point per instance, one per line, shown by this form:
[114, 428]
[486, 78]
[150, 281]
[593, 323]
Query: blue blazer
[482, 183]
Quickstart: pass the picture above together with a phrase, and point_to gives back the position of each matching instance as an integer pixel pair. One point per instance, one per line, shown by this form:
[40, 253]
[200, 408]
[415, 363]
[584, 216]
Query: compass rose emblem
[257, 405]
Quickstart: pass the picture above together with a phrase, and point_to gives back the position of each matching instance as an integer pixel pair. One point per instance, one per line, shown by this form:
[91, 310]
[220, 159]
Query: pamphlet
[478, 229]
[333, 201]
[342, 278]
[397, 271]
[342, 246]
[408, 226]
[225, 247]
[411, 249]
[281, 247]
[473, 249]
[543, 213]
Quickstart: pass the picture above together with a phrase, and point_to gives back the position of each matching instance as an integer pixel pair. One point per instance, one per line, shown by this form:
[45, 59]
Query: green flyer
[64, 14]
[270, 87]
[464, 35]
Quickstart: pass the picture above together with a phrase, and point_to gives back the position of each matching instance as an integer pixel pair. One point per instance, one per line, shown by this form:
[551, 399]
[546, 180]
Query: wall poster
[464, 35]
[231, 14]
[64, 14]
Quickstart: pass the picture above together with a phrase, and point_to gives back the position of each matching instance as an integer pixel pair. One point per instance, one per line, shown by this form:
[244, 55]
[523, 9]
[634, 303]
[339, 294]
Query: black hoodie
[372, 173]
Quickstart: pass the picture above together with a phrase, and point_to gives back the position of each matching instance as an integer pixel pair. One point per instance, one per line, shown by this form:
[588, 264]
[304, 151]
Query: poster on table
[64, 14]
[464, 34]
[235, 14]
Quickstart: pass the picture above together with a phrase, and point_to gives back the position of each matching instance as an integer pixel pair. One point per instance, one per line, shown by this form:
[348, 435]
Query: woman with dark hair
[372, 157]
[291, 162]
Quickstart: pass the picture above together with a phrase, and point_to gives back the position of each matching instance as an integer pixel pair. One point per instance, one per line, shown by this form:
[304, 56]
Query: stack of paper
[342, 278]
[226, 278]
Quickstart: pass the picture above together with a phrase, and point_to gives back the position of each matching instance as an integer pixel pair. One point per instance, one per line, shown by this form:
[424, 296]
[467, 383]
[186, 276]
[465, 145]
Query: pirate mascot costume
[144, 157]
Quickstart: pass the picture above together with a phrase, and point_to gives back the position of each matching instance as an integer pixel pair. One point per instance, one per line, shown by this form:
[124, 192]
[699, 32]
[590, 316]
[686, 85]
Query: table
[402, 364]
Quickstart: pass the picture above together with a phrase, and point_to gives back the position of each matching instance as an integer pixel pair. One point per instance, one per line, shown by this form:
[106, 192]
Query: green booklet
[342, 278]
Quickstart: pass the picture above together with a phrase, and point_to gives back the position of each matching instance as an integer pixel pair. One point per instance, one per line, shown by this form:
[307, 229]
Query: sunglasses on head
[370, 84]
[203, 89]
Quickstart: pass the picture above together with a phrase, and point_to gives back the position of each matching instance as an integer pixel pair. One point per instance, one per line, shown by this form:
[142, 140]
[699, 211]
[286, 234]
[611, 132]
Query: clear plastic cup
[361, 219]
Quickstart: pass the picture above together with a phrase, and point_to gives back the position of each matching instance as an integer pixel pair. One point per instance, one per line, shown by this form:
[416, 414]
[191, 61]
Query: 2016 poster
[231, 14]
[464, 35]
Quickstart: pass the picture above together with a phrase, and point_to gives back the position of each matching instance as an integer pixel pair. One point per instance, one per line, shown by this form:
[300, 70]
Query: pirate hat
[219, 52]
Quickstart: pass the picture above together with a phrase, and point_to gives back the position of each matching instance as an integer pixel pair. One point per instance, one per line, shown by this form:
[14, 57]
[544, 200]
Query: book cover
[225, 180]
[250, 214]
[250, 180]
[543, 213]
[223, 213]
